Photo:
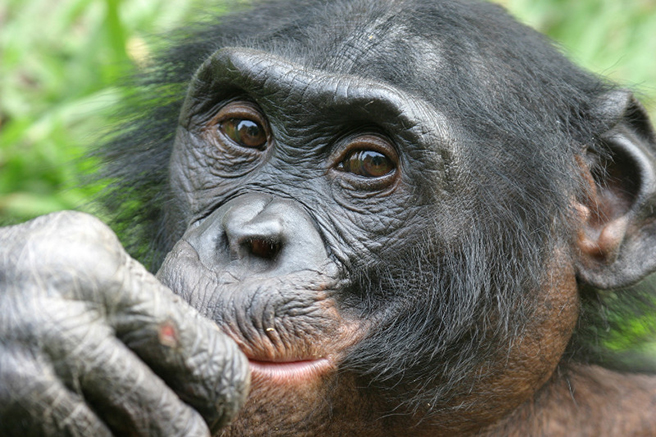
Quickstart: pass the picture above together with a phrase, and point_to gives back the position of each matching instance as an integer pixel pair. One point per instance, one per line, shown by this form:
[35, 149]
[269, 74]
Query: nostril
[263, 248]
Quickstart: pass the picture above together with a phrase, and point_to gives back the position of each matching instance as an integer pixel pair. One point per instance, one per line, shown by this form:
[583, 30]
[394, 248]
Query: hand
[92, 344]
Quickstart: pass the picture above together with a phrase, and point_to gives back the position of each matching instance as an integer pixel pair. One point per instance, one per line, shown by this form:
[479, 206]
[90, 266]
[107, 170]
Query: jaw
[306, 393]
[332, 404]
[333, 401]
[295, 338]
[301, 343]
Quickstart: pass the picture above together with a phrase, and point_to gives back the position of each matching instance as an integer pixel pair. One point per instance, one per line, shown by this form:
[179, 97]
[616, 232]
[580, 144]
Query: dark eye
[241, 123]
[367, 163]
[246, 133]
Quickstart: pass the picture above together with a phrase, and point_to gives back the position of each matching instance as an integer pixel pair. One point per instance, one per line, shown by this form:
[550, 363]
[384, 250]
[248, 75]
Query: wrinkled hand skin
[91, 344]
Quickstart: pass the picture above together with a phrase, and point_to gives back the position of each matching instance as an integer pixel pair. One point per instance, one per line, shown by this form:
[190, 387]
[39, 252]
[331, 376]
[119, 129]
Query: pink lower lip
[289, 371]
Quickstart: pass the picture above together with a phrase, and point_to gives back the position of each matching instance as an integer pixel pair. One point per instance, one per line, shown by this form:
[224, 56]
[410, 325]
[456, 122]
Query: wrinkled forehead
[386, 47]
[387, 40]
[289, 91]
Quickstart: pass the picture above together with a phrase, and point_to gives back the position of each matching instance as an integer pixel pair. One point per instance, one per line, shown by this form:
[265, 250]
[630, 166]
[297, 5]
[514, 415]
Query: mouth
[290, 372]
[277, 358]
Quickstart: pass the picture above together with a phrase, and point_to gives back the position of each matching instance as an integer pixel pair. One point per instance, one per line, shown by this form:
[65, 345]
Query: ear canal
[617, 237]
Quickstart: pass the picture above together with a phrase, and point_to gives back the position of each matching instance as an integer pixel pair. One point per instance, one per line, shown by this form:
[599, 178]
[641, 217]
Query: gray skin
[268, 242]
[91, 341]
[92, 344]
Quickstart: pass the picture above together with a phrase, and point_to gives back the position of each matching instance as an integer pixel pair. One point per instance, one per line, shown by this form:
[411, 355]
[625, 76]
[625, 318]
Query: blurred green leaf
[60, 61]
[614, 39]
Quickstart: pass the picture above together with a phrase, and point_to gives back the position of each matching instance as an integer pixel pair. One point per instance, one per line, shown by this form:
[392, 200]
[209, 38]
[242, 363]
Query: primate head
[402, 212]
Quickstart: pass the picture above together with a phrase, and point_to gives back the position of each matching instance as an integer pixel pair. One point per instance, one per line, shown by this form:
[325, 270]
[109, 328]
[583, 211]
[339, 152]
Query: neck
[586, 400]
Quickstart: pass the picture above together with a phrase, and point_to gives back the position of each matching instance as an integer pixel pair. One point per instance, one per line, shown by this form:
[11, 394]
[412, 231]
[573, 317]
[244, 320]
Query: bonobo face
[304, 202]
[289, 182]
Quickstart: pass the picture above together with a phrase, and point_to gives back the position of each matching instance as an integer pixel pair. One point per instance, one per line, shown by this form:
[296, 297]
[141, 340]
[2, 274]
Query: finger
[82, 261]
[123, 391]
[133, 399]
[34, 402]
[189, 352]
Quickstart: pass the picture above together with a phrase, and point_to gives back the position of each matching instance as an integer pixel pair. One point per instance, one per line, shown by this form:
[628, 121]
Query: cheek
[525, 365]
[553, 322]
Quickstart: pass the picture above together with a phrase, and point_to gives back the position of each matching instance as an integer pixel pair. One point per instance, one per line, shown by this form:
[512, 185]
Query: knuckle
[76, 227]
[66, 246]
[22, 374]
[228, 388]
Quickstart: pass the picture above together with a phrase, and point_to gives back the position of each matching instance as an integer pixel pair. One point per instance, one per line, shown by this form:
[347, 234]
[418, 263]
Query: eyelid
[237, 109]
[363, 141]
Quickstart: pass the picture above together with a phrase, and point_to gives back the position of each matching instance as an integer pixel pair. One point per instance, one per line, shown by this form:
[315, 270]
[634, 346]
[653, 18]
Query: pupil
[248, 128]
[368, 163]
[375, 161]
[375, 164]
[246, 133]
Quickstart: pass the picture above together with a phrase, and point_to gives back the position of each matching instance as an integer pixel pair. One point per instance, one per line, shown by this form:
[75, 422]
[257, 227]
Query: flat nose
[259, 234]
[254, 227]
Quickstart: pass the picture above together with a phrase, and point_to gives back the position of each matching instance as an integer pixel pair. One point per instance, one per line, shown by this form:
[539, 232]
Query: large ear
[617, 239]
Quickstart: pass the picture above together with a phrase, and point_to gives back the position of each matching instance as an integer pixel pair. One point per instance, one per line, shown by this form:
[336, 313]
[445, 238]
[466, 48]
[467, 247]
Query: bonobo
[367, 217]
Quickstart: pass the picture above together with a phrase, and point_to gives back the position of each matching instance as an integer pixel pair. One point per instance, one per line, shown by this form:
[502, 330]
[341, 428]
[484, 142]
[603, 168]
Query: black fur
[523, 112]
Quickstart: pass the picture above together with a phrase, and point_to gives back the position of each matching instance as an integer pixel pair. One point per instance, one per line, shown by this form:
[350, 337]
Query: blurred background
[61, 62]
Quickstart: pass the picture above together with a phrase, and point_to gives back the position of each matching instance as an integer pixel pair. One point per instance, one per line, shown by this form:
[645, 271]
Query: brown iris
[243, 123]
[367, 163]
[246, 133]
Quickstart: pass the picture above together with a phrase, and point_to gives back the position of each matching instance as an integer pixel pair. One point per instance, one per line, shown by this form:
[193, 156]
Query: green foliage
[616, 39]
[59, 66]
[60, 61]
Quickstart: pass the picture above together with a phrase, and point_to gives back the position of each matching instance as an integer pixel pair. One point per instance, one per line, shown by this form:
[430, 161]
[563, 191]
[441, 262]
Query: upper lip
[266, 350]
[282, 360]
[256, 354]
